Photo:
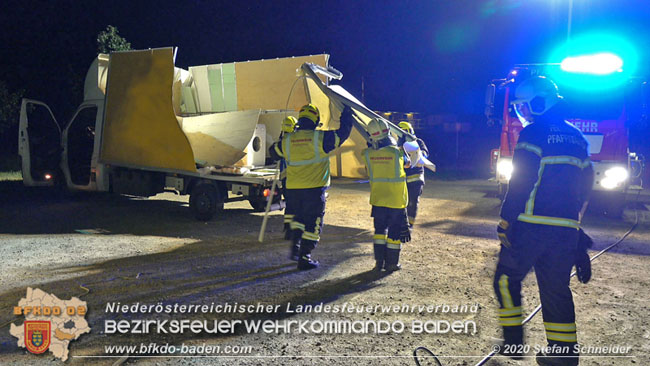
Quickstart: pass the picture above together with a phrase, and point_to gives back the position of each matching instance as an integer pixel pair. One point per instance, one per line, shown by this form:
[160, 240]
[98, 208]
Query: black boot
[305, 262]
[558, 354]
[513, 344]
[380, 256]
[392, 260]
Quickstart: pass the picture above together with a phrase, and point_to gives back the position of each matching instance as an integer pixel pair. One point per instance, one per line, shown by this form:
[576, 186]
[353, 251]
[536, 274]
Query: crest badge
[37, 335]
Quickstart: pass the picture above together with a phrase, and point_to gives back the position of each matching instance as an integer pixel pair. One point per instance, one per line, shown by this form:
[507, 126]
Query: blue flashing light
[597, 64]
[593, 62]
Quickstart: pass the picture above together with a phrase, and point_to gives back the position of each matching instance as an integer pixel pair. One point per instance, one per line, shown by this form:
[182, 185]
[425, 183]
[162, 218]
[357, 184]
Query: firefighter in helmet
[414, 175]
[308, 177]
[385, 164]
[540, 221]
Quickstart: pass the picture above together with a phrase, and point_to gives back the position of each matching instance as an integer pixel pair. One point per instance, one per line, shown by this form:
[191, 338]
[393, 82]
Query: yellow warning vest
[308, 166]
[387, 177]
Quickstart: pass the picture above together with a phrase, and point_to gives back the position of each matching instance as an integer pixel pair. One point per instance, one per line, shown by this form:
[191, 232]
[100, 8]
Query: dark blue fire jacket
[552, 174]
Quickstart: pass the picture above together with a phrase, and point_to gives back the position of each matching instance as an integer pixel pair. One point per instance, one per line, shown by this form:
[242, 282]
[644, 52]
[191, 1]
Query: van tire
[204, 201]
[258, 205]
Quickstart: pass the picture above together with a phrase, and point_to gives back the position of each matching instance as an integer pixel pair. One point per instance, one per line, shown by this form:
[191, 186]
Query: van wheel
[204, 201]
[258, 205]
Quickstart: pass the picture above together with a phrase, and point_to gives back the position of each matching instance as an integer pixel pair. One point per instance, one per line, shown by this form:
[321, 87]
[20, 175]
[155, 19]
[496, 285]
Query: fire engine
[602, 104]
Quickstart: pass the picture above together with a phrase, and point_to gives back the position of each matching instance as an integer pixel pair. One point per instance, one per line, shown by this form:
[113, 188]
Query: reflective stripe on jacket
[415, 177]
[387, 177]
[308, 165]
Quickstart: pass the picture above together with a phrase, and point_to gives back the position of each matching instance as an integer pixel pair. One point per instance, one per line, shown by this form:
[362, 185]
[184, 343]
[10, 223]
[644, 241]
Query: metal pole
[260, 237]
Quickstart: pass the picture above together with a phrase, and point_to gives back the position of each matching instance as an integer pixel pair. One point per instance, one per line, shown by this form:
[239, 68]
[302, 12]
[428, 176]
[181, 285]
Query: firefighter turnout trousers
[415, 191]
[308, 206]
[388, 224]
[551, 251]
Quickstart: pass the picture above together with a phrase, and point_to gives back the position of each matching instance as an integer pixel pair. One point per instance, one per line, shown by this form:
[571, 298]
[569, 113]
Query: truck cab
[52, 154]
[65, 154]
[126, 137]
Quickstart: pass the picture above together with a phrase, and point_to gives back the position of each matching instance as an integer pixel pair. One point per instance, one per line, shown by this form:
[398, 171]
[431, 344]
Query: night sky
[426, 56]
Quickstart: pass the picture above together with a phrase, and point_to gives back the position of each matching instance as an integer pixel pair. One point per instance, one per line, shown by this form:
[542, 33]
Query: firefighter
[414, 175]
[385, 163]
[288, 126]
[308, 177]
[540, 221]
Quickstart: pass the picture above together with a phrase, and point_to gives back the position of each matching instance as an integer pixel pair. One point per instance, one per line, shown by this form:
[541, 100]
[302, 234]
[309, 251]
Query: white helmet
[378, 130]
[534, 97]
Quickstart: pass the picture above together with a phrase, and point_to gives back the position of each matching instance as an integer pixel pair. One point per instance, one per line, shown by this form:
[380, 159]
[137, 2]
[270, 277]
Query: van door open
[39, 144]
[79, 143]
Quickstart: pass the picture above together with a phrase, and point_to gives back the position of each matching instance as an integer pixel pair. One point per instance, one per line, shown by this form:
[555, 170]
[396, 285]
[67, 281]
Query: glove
[583, 267]
[504, 232]
[405, 234]
[582, 261]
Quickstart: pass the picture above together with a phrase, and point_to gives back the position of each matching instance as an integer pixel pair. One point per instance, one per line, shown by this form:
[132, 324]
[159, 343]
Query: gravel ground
[117, 249]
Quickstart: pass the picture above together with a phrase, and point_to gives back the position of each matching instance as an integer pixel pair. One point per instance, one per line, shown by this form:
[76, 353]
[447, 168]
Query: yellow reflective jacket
[308, 165]
[387, 177]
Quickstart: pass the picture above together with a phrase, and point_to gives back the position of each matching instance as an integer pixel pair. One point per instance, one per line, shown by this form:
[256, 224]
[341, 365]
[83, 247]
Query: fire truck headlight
[614, 177]
[504, 168]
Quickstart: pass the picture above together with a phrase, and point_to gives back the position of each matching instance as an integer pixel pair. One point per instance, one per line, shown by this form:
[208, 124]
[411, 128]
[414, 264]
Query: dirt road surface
[109, 249]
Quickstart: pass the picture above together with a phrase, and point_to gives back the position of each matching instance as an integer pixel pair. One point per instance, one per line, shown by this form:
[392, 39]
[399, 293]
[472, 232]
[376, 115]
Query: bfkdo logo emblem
[37, 335]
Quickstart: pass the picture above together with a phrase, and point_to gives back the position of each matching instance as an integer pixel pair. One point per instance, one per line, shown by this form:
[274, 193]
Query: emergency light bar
[593, 62]
[596, 64]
